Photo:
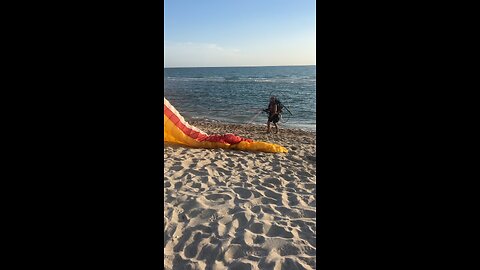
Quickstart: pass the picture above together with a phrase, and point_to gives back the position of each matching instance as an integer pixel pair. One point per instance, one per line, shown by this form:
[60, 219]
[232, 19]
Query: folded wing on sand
[177, 130]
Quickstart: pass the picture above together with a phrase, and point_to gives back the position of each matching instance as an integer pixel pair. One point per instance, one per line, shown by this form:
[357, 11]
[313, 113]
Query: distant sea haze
[238, 94]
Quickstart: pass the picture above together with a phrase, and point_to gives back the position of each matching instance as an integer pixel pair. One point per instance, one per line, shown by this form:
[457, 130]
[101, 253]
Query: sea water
[238, 94]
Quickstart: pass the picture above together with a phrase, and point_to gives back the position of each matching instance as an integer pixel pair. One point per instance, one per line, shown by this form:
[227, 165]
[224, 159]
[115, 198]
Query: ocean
[238, 94]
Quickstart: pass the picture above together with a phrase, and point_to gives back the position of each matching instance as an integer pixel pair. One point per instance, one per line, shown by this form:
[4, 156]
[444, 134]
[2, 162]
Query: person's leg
[276, 127]
[268, 126]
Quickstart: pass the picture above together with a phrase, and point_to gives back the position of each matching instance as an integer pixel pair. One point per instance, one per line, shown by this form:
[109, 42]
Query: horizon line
[243, 66]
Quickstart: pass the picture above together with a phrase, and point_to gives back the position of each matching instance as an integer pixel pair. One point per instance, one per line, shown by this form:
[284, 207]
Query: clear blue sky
[206, 33]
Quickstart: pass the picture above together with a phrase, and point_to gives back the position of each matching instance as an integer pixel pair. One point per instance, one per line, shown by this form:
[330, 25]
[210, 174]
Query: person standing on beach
[273, 114]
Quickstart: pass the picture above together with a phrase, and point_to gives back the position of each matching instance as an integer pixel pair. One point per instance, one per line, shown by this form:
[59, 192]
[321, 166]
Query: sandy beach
[228, 209]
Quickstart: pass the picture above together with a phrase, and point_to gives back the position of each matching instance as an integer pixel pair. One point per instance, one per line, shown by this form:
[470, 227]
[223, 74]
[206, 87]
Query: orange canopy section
[177, 130]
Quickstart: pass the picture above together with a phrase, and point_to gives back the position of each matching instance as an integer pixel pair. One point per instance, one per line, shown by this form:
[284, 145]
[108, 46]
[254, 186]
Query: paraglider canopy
[177, 130]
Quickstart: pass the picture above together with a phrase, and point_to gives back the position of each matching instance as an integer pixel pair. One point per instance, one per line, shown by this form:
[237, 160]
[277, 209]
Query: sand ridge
[228, 209]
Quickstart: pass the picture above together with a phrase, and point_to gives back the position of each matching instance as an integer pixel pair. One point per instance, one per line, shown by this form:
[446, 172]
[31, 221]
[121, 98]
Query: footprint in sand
[243, 193]
[234, 252]
[273, 181]
[238, 265]
[210, 253]
[257, 228]
[218, 197]
[277, 231]
[192, 249]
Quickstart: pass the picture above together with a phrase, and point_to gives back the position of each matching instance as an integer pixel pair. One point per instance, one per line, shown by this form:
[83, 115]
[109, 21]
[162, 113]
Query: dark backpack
[279, 106]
